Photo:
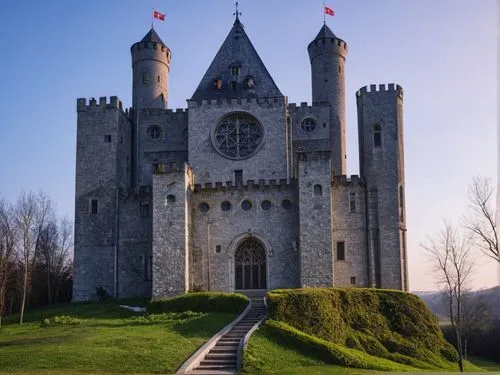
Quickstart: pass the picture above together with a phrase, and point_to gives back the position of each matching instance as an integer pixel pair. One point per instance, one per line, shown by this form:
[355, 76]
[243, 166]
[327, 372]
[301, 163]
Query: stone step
[212, 372]
[224, 350]
[228, 367]
[227, 344]
[211, 355]
[220, 361]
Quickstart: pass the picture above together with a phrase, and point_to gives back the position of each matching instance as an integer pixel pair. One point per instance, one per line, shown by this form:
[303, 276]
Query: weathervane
[236, 13]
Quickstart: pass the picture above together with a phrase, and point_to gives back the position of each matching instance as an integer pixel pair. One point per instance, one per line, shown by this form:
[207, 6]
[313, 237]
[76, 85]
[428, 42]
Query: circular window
[286, 204]
[154, 132]
[237, 136]
[204, 207]
[308, 125]
[246, 205]
[266, 205]
[225, 206]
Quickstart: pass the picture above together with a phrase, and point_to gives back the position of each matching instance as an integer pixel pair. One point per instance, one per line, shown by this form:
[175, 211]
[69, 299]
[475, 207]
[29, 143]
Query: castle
[242, 190]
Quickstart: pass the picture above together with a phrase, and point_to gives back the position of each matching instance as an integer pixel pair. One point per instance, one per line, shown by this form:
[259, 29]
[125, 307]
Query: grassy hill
[374, 329]
[104, 338]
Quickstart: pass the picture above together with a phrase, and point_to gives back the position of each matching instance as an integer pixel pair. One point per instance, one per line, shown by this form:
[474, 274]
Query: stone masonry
[241, 190]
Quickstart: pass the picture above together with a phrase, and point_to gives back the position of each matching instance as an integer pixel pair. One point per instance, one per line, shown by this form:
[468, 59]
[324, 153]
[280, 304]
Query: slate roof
[152, 36]
[325, 32]
[236, 51]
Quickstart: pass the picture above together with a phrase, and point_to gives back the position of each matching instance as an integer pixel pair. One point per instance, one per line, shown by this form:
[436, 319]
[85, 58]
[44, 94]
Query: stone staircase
[223, 357]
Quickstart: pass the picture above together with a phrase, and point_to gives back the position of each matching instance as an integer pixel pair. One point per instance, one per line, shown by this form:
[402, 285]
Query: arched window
[377, 135]
[318, 190]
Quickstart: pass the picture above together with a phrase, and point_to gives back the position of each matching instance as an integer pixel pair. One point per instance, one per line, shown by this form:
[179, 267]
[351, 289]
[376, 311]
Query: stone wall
[217, 234]
[380, 110]
[269, 162]
[349, 227]
[315, 228]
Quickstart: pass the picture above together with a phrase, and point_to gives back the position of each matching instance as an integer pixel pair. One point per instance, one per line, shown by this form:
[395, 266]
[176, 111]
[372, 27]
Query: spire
[236, 71]
[236, 13]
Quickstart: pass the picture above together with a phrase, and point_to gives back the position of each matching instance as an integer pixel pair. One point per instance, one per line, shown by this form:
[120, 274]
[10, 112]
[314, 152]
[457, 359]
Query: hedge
[200, 302]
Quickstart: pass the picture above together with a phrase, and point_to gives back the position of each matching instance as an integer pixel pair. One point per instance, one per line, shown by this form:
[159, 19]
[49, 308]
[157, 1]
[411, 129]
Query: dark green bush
[329, 352]
[384, 323]
[200, 302]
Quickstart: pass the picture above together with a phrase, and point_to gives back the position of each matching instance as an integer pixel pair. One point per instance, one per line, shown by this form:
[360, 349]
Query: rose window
[238, 136]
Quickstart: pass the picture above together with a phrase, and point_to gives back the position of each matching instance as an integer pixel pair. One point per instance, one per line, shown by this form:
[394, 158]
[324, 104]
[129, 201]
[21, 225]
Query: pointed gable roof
[237, 61]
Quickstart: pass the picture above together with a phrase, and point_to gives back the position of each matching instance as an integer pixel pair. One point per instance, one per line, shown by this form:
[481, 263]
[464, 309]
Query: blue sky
[443, 53]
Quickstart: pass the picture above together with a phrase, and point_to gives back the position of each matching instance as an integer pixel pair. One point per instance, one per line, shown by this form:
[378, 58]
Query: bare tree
[451, 258]
[481, 218]
[475, 316]
[54, 247]
[7, 253]
[32, 212]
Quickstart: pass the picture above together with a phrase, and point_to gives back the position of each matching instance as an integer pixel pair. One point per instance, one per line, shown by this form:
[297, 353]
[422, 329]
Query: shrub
[200, 302]
[384, 323]
[63, 320]
[331, 353]
[102, 294]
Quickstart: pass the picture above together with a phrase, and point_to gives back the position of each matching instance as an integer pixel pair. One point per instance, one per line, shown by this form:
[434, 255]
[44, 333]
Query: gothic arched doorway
[250, 265]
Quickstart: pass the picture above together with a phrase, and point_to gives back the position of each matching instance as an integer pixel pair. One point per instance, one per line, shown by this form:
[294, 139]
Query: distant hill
[434, 300]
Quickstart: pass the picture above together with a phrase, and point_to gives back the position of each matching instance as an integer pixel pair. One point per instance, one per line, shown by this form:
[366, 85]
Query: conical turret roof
[325, 32]
[152, 36]
[238, 70]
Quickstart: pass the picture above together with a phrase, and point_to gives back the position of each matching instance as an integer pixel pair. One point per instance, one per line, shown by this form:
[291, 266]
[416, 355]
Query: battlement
[149, 46]
[83, 105]
[270, 101]
[391, 88]
[293, 106]
[262, 184]
[337, 43]
[344, 180]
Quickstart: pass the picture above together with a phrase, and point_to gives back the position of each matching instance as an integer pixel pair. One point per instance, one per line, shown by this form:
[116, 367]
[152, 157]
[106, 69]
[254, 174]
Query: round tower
[150, 69]
[327, 54]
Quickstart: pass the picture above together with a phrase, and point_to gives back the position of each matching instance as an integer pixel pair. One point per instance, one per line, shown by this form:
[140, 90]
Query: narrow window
[148, 268]
[340, 250]
[145, 210]
[352, 202]
[318, 190]
[353, 280]
[94, 206]
[377, 136]
[238, 177]
[107, 138]
[235, 71]
[217, 249]
[233, 85]
[170, 198]
[158, 78]
[401, 203]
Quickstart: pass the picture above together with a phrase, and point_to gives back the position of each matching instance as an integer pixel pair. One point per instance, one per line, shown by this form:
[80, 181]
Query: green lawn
[485, 364]
[108, 339]
[268, 354]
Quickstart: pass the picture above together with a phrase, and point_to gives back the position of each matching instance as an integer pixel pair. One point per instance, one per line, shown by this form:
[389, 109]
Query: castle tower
[151, 67]
[381, 157]
[327, 54]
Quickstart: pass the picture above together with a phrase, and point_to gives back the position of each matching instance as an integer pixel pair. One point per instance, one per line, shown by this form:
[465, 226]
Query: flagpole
[324, 15]
[152, 19]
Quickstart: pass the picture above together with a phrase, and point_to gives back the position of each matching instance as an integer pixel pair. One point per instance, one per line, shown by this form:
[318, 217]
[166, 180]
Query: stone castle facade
[241, 190]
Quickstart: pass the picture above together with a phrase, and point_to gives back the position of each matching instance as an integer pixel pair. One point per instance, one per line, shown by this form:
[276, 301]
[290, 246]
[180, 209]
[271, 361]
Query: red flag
[158, 15]
[329, 11]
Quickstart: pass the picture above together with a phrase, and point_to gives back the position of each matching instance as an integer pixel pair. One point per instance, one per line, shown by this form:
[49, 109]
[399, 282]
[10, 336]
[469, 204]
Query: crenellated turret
[151, 68]
[327, 54]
